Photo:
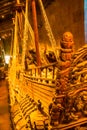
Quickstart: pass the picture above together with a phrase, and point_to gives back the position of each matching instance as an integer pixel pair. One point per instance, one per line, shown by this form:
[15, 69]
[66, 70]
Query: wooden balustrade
[43, 71]
[39, 83]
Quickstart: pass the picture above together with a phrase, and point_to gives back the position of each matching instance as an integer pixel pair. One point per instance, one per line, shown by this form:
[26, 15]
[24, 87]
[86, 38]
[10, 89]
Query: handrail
[42, 71]
[51, 64]
[44, 75]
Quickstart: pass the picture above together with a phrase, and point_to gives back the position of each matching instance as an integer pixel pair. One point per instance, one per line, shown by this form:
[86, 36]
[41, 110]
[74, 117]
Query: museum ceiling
[7, 13]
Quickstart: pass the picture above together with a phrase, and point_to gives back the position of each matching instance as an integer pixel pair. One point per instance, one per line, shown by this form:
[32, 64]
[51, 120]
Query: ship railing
[39, 84]
[42, 74]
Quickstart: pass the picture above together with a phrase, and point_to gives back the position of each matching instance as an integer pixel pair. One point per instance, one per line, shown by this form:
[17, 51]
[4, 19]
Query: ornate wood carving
[70, 101]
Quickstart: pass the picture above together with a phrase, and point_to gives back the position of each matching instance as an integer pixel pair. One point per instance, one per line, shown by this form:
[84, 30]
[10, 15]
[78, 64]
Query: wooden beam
[36, 32]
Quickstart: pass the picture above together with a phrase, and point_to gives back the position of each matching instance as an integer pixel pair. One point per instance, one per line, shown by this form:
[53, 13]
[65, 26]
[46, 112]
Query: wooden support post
[36, 32]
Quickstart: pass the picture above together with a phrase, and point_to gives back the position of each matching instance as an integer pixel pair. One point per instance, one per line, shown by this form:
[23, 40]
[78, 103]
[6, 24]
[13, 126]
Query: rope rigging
[48, 28]
[30, 30]
[12, 71]
[25, 38]
[29, 34]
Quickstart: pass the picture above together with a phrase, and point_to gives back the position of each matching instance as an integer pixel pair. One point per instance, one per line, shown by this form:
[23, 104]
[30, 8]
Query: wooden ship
[51, 94]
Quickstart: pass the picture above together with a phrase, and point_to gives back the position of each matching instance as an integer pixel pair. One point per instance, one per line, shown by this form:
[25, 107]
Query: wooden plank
[70, 125]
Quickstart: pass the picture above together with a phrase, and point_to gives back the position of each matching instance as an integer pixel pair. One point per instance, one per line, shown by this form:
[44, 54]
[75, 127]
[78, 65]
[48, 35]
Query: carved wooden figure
[71, 86]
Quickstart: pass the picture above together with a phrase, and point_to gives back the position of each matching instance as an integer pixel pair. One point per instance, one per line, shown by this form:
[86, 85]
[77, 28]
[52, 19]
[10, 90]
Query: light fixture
[2, 16]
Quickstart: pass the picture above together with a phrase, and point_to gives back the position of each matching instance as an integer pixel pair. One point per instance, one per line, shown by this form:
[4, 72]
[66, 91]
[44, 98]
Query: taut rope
[48, 28]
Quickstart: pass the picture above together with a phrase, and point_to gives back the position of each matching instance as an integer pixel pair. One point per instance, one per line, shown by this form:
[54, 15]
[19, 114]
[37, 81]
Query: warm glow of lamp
[2, 16]
[7, 59]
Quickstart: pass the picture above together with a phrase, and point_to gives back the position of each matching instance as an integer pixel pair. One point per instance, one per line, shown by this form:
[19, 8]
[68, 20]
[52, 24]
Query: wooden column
[36, 32]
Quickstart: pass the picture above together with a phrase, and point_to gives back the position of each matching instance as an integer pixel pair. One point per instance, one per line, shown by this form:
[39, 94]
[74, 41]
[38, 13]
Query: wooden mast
[36, 32]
